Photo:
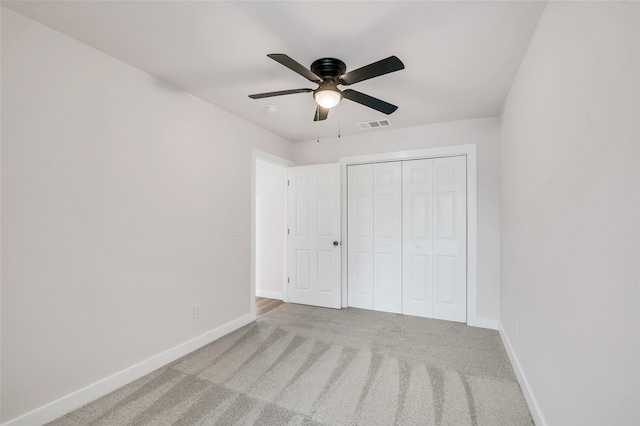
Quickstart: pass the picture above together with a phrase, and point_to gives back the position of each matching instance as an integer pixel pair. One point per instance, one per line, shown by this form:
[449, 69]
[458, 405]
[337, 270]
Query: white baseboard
[534, 408]
[269, 294]
[77, 399]
[483, 323]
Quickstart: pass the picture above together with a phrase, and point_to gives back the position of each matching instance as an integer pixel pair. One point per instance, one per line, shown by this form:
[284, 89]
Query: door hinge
[288, 183]
[288, 280]
[288, 231]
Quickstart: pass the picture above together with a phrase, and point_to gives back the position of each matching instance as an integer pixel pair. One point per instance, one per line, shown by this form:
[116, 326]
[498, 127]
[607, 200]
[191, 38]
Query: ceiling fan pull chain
[339, 121]
[318, 124]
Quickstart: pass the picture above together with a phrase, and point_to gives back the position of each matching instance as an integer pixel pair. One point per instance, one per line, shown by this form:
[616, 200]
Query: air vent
[374, 124]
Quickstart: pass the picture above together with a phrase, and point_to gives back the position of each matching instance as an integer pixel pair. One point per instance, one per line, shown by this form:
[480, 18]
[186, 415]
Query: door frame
[470, 151]
[256, 154]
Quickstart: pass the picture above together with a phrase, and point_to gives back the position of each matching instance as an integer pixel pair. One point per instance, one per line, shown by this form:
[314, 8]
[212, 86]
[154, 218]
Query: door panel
[360, 234]
[419, 273]
[417, 192]
[326, 221]
[434, 238]
[445, 283]
[450, 243]
[325, 266]
[302, 215]
[314, 224]
[387, 237]
[362, 277]
[446, 214]
[302, 271]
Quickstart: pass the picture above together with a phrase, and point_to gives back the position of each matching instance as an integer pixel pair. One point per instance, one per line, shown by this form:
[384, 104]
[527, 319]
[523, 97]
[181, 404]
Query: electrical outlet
[196, 311]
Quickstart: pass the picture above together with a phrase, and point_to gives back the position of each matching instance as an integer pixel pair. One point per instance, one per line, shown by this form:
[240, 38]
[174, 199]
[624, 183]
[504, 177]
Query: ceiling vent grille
[374, 124]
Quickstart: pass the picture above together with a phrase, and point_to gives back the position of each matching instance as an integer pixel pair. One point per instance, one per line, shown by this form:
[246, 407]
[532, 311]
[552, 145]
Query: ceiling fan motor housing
[328, 68]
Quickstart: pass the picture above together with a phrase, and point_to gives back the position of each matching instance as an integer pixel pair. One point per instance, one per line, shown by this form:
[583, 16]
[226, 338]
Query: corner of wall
[532, 402]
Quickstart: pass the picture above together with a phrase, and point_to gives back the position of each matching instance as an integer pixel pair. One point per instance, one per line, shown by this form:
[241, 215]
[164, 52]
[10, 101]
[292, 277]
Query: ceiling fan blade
[382, 67]
[321, 113]
[279, 93]
[294, 66]
[369, 101]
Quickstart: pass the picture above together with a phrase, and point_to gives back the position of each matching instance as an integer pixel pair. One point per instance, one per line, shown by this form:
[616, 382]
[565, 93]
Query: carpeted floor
[301, 365]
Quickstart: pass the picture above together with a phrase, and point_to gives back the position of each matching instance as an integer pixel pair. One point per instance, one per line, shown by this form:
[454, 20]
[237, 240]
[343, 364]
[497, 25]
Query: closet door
[387, 237]
[450, 238]
[435, 238]
[417, 235]
[360, 234]
[407, 236]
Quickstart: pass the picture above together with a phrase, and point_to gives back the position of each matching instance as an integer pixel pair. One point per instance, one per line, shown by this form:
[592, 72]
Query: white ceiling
[460, 57]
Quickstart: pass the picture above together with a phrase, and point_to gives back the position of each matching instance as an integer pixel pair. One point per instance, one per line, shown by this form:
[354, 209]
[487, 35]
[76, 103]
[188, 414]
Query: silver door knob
[335, 243]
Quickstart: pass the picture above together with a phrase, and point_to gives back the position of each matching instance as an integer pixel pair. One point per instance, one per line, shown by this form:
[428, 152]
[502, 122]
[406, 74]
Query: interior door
[314, 247]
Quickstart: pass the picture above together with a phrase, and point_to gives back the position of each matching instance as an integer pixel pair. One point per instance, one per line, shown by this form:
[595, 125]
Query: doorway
[268, 231]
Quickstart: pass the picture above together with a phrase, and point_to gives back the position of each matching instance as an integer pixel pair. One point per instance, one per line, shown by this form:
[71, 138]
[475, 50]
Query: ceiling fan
[328, 73]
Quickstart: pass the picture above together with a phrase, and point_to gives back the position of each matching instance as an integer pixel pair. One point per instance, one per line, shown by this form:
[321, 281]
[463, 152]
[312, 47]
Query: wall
[120, 195]
[569, 215]
[271, 193]
[0, 227]
[483, 132]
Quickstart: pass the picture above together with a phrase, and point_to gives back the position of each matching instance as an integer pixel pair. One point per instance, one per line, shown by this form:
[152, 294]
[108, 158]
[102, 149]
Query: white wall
[569, 214]
[271, 193]
[483, 132]
[120, 195]
[0, 227]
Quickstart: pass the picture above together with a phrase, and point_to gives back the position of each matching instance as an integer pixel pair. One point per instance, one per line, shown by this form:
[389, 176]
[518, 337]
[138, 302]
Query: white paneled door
[374, 215]
[435, 238]
[387, 237]
[314, 249]
[417, 238]
[360, 235]
[450, 238]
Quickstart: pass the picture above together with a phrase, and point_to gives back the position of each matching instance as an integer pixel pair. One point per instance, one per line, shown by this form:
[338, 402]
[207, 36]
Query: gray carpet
[300, 365]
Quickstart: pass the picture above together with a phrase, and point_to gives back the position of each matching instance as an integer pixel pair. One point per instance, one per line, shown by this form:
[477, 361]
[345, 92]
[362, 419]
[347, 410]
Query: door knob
[335, 243]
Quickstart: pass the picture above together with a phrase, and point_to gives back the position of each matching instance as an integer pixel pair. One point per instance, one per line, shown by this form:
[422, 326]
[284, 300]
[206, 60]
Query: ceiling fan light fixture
[327, 98]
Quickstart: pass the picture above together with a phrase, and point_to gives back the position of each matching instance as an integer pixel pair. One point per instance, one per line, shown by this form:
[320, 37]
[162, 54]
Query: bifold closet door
[417, 238]
[387, 237]
[375, 236]
[360, 236]
[434, 238]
